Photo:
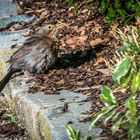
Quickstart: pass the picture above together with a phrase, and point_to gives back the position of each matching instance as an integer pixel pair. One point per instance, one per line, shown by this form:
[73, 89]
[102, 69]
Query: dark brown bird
[36, 55]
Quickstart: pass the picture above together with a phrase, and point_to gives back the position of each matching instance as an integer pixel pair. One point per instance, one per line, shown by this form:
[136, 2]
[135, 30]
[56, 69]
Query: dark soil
[10, 127]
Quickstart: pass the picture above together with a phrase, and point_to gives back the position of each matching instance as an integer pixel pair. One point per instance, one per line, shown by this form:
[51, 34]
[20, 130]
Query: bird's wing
[26, 48]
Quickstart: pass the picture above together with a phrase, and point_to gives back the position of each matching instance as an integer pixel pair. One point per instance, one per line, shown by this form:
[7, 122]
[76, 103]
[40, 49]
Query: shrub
[127, 70]
[124, 10]
[125, 74]
[70, 2]
[125, 116]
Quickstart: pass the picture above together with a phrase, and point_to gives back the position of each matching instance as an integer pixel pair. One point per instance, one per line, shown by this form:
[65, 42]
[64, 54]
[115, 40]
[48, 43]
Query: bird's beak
[57, 28]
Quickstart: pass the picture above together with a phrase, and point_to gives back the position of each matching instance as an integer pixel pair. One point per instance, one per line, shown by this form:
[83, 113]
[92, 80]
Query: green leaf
[125, 80]
[71, 132]
[116, 116]
[124, 48]
[137, 10]
[116, 125]
[117, 4]
[98, 115]
[111, 13]
[122, 14]
[130, 104]
[138, 32]
[89, 138]
[107, 96]
[109, 115]
[103, 6]
[122, 68]
[138, 80]
[135, 84]
[78, 135]
[70, 2]
[125, 124]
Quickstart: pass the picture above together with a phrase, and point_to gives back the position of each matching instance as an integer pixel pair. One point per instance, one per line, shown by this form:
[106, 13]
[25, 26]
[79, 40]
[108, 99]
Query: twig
[88, 88]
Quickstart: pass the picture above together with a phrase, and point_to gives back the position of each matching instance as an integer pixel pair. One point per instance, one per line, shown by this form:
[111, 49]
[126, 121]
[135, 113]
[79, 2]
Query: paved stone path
[6, 8]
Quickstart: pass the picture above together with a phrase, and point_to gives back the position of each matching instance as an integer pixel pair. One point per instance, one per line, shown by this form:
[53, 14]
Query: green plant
[70, 2]
[125, 116]
[126, 73]
[73, 135]
[125, 65]
[124, 10]
[127, 70]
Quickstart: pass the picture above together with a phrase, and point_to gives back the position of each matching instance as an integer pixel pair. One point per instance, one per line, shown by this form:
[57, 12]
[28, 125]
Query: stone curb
[42, 114]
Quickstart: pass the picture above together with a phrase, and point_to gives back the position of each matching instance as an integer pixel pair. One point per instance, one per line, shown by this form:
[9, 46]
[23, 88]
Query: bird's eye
[50, 27]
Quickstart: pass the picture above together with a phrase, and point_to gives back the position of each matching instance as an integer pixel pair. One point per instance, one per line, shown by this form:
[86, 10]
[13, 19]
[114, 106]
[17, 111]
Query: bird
[37, 54]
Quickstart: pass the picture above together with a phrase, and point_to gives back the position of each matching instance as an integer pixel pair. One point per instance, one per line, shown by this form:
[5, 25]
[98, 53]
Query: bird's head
[50, 34]
[51, 31]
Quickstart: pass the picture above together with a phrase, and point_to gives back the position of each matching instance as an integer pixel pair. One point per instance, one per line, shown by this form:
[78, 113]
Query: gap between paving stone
[7, 8]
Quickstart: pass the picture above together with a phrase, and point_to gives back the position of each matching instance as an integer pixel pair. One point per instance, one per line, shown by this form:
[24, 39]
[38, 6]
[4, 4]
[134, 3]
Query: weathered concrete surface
[7, 8]
[10, 20]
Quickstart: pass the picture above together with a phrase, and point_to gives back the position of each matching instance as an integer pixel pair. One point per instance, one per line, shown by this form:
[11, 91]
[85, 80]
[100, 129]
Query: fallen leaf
[99, 60]
[13, 46]
[98, 41]
[81, 30]
[44, 14]
[84, 11]
[97, 28]
[61, 82]
[122, 90]
[41, 10]
[104, 71]
[114, 27]
[88, 88]
[76, 40]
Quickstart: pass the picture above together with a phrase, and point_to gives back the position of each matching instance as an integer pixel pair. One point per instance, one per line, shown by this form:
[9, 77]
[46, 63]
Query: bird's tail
[6, 79]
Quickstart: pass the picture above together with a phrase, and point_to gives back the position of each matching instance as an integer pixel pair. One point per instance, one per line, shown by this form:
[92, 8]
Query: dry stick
[88, 88]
